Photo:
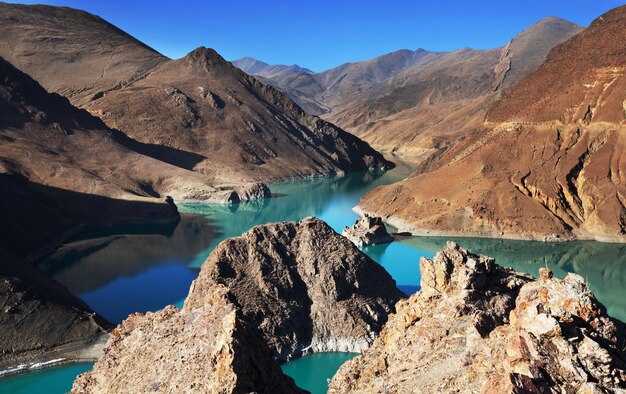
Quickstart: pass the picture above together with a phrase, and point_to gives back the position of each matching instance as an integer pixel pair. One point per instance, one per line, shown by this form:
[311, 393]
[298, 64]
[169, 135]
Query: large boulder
[478, 327]
[306, 287]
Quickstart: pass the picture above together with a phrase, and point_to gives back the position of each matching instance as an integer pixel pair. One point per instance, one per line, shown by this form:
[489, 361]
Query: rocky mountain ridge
[210, 117]
[412, 103]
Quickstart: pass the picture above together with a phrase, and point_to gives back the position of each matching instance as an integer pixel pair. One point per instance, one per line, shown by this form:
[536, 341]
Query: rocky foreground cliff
[477, 327]
[208, 349]
[306, 287]
[279, 290]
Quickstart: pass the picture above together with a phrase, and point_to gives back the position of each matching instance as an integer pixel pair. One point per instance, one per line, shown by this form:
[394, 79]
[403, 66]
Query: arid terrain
[548, 162]
[524, 141]
[96, 128]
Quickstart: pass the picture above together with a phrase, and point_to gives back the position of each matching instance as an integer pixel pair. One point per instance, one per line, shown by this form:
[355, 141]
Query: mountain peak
[552, 26]
[204, 58]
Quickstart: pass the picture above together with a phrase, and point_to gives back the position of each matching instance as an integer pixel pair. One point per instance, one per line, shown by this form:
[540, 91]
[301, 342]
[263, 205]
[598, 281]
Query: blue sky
[320, 34]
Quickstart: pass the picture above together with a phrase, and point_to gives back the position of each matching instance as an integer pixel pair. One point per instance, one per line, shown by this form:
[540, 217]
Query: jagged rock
[478, 327]
[306, 287]
[206, 349]
[370, 230]
[253, 191]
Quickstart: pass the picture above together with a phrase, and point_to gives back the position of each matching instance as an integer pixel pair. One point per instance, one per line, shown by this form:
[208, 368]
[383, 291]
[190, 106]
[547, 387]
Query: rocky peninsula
[209, 349]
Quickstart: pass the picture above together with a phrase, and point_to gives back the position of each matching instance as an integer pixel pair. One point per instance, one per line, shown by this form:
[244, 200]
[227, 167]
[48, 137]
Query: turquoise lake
[127, 269]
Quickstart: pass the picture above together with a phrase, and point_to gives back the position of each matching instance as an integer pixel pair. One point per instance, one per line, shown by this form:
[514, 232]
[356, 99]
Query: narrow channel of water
[128, 269]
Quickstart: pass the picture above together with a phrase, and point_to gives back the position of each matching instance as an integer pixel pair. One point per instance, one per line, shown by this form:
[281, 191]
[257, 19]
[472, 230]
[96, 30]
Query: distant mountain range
[411, 102]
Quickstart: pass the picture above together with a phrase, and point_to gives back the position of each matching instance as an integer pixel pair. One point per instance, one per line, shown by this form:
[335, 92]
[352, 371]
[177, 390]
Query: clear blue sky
[320, 34]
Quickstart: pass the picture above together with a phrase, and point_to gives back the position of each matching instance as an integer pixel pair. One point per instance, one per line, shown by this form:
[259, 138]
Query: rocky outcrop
[306, 287]
[369, 230]
[253, 191]
[205, 349]
[478, 327]
[277, 291]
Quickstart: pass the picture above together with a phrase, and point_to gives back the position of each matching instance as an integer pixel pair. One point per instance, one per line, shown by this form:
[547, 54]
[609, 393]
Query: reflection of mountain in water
[85, 265]
[601, 264]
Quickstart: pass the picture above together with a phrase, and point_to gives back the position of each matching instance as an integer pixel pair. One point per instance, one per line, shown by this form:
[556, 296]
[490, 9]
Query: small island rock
[370, 230]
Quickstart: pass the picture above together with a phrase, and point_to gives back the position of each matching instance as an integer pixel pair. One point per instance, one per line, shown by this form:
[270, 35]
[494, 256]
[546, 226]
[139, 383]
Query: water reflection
[330, 199]
[126, 269]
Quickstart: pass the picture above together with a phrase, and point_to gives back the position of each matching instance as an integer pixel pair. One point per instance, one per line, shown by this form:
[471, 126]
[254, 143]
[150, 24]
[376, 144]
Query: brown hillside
[581, 80]
[538, 181]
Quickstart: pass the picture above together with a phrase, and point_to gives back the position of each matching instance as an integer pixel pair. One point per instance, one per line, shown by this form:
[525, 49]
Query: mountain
[242, 128]
[199, 106]
[326, 91]
[72, 52]
[548, 163]
[258, 68]
[414, 102]
[424, 108]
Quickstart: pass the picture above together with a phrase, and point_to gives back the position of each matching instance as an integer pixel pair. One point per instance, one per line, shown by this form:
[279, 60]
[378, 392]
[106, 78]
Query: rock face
[253, 191]
[306, 287]
[563, 174]
[199, 113]
[206, 349]
[478, 327]
[370, 230]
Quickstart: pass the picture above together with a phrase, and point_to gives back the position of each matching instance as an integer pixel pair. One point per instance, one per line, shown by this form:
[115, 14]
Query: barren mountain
[333, 89]
[242, 128]
[216, 119]
[413, 102]
[424, 107]
[258, 68]
[556, 171]
[71, 52]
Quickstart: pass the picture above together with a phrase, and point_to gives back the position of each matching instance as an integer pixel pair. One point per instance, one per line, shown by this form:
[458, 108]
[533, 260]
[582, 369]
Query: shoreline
[404, 227]
[72, 353]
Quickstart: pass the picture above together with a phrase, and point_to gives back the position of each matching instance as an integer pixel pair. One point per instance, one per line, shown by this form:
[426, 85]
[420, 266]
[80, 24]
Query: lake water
[313, 371]
[128, 269]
